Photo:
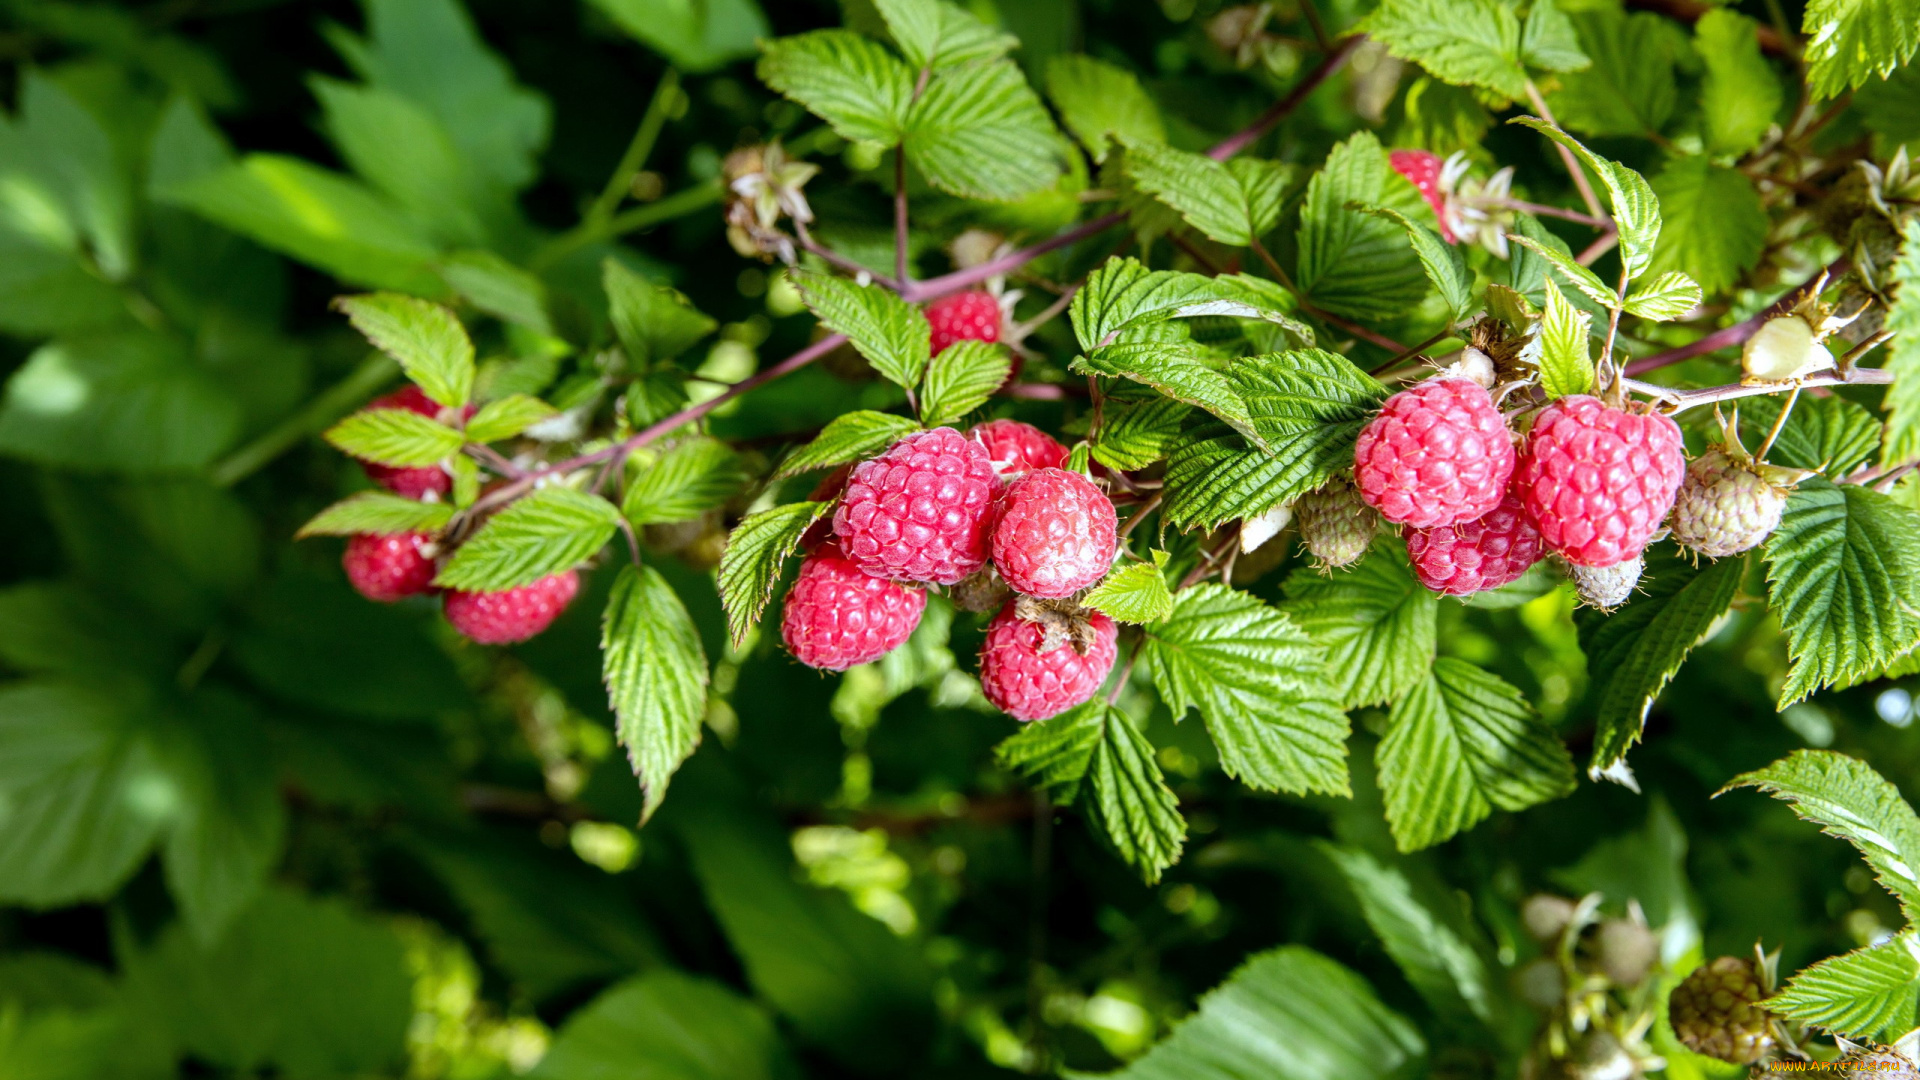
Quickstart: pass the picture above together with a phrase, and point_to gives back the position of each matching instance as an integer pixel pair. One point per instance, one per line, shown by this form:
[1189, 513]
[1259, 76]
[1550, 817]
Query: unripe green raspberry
[1716, 1011]
[1725, 505]
[1607, 587]
[1336, 525]
[1546, 915]
[1879, 1064]
[1626, 951]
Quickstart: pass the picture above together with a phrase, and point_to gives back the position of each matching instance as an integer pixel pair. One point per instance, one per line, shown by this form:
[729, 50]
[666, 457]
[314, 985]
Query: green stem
[336, 401]
[621, 182]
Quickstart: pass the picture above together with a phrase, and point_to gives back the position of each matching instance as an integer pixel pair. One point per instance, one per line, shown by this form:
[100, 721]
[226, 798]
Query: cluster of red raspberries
[994, 515]
[394, 566]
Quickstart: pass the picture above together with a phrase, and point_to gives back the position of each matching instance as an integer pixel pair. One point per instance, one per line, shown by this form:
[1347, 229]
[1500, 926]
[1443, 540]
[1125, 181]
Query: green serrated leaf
[1464, 42]
[1097, 100]
[1865, 994]
[750, 566]
[1056, 753]
[1377, 623]
[1174, 370]
[428, 341]
[1442, 967]
[1549, 41]
[1308, 404]
[1830, 435]
[1133, 594]
[1459, 744]
[1260, 685]
[1664, 298]
[961, 379]
[550, 530]
[1716, 226]
[853, 83]
[499, 288]
[1634, 652]
[850, 437]
[892, 334]
[1630, 87]
[656, 676]
[697, 475]
[1446, 267]
[1233, 203]
[1636, 212]
[503, 418]
[1843, 574]
[933, 34]
[395, 437]
[378, 512]
[1848, 799]
[1851, 41]
[1565, 348]
[1903, 355]
[980, 132]
[466, 480]
[1349, 263]
[1740, 95]
[1571, 272]
[654, 323]
[1136, 432]
[1124, 295]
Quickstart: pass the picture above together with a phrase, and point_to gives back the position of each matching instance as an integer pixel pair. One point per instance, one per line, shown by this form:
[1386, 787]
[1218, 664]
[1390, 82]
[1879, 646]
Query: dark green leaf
[1865, 994]
[980, 132]
[550, 530]
[697, 475]
[935, 34]
[1848, 799]
[1851, 41]
[665, 1025]
[1741, 94]
[655, 323]
[1716, 226]
[961, 379]
[1629, 88]
[750, 566]
[892, 334]
[1471, 43]
[656, 675]
[1097, 100]
[847, 80]
[695, 37]
[1444, 264]
[1377, 623]
[1442, 966]
[1350, 263]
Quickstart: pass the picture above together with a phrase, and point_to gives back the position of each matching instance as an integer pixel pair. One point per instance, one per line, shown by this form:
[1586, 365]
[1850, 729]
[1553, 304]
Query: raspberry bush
[912, 538]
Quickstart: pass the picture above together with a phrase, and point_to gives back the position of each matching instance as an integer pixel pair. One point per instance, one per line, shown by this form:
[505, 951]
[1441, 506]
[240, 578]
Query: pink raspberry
[1485, 553]
[1028, 682]
[388, 568]
[922, 511]
[1422, 169]
[414, 483]
[967, 316]
[1597, 480]
[502, 618]
[837, 617]
[1438, 454]
[1016, 448]
[1057, 534]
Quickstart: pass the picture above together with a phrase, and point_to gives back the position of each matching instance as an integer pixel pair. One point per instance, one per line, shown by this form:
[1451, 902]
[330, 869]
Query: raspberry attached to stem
[1029, 677]
[1057, 534]
[390, 567]
[1438, 454]
[922, 511]
[512, 615]
[837, 617]
[1598, 480]
[1485, 553]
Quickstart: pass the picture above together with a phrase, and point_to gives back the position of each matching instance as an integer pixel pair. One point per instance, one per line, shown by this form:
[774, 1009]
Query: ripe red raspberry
[967, 316]
[1725, 505]
[1485, 553]
[415, 483]
[1438, 454]
[1422, 169]
[388, 568]
[502, 618]
[837, 617]
[1028, 681]
[1599, 480]
[1016, 448]
[1057, 534]
[922, 511]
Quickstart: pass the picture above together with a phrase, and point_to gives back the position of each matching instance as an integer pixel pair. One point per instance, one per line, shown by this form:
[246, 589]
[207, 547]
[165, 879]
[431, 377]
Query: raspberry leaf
[1830, 435]
[1864, 994]
[1470, 43]
[980, 132]
[1097, 100]
[850, 437]
[1377, 623]
[697, 475]
[428, 341]
[654, 323]
[507, 417]
[1563, 347]
[1443, 968]
[1138, 429]
[1286, 1014]
[1851, 41]
[961, 379]
[1095, 750]
[1848, 799]
[1716, 226]
[395, 437]
[1843, 573]
[892, 334]
[933, 34]
[1636, 212]
[1548, 39]
[665, 1015]
[1349, 263]
[1260, 685]
[1665, 298]
[1176, 370]
[1740, 95]
[1903, 398]
[853, 83]
[1571, 272]
[499, 288]
[656, 676]
[378, 512]
[1233, 203]
[1309, 405]
[551, 530]
[1444, 264]
[1459, 744]
[1134, 594]
[1634, 652]
[750, 566]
